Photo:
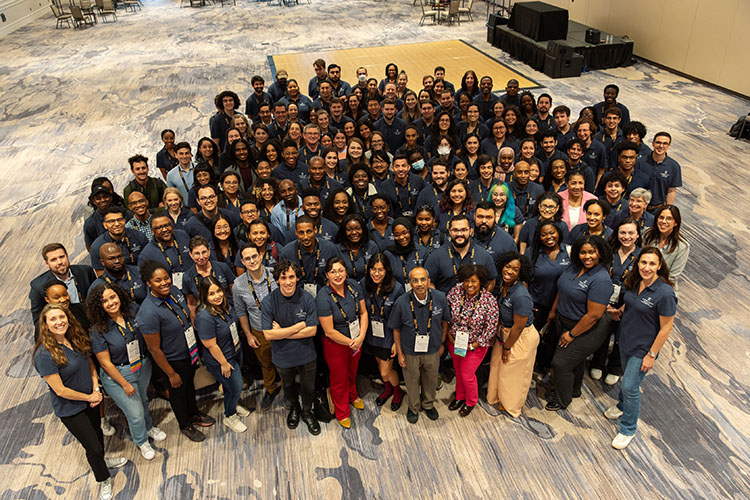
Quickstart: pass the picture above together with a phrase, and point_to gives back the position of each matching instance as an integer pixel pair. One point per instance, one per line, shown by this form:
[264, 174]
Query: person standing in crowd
[342, 313]
[116, 272]
[216, 325]
[101, 199]
[513, 355]
[125, 369]
[420, 320]
[62, 358]
[474, 316]
[290, 319]
[170, 247]
[131, 241]
[164, 320]
[151, 187]
[665, 235]
[404, 255]
[648, 310]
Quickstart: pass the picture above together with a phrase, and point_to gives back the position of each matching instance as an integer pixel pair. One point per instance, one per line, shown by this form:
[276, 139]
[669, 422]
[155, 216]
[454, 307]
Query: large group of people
[420, 233]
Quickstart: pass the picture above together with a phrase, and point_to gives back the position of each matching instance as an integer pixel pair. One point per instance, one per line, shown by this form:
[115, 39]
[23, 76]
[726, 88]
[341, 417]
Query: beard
[462, 244]
[483, 230]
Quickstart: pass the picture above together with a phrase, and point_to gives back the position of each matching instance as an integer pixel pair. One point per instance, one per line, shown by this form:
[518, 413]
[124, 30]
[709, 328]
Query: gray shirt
[245, 303]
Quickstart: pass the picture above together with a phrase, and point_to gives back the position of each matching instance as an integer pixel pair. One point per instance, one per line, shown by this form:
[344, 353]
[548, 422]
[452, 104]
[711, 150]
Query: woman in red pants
[474, 314]
[343, 316]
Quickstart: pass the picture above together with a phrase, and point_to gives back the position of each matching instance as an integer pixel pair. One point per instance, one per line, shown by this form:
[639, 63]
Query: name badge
[235, 335]
[192, 345]
[177, 280]
[615, 294]
[461, 345]
[421, 343]
[312, 289]
[134, 355]
[354, 329]
[378, 330]
[407, 287]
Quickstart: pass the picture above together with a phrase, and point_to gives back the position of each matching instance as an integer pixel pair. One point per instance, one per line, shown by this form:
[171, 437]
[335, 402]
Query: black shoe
[465, 410]
[311, 422]
[320, 409]
[203, 420]
[396, 402]
[292, 419]
[268, 398]
[448, 375]
[193, 434]
[432, 414]
[412, 417]
[456, 404]
[554, 406]
[577, 394]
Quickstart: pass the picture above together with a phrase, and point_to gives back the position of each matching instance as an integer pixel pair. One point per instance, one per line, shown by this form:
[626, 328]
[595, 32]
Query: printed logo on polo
[508, 303]
[564, 261]
[646, 301]
[300, 314]
[437, 311]
[664, 175]
[583, 284]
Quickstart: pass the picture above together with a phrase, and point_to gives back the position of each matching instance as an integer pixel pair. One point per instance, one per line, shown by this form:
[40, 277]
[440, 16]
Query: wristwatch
[652, 354]
[96, 389]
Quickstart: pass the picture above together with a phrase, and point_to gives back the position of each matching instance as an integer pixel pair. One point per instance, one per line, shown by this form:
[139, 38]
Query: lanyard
[408, 194]
[526, 204]
[252, 287]
[482, 191]
[489, 241]
[315, 262]
[382, 305]
[450, 254]
[296, 212]
[354, 262]
[336, 301]
[164, 252]
[414, 314]
[130, 328]
[182, 176]
[130, 280]
[403, 262]
[125, 240]
[197, 274]
[169, 306]
[461, 307]
[626, 266]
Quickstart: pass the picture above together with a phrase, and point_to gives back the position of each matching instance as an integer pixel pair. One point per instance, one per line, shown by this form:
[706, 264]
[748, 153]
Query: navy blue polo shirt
[601, 107]
[253, 102]
[544, 123]
[298, 174]
[575, 291]
[496, 243]
[619, 269]
[526, 198]
[304, 105]
[429, 195]
[350, 303]
[444, 218]
[197, 224]
[313, 84]
[437, 239]
[209, 326]
[175, 257]
[306, 153]
[76, 375]
[516, 302]
[614, 210]
[383, 241]
[646, 220]
[485, 107]
[131, 282]
[543, 288]
[589, 178]
[355, 266]
[596, 156]
[662, 176]
[403, 197]
[402, 266]
[640, 319]
[191, 280]
[327, 229]
[116, 339]
[610, 145]
[489, 146]
[529, 229]
[379, 309]
[480, 131]
[401, 319]
[313, 263]
[154, 317]
[219, 123]
[131, 244]
[544, 162]
[393, 133]
[563, 139]
[93, 227]
[582, 229]
[329, 185]
[444, 263]
[479, 192]
[288, 311]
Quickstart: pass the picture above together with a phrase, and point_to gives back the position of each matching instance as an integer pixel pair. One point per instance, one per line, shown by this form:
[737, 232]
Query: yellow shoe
[345, 423]
[358, 404]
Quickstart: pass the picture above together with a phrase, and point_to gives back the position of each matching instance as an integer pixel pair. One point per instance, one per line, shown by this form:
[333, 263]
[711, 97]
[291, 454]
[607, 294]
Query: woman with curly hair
[62, 357]
[456, 200]
[125, 370]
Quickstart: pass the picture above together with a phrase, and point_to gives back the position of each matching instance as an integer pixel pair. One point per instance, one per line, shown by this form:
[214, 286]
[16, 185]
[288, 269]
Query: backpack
[741, 126]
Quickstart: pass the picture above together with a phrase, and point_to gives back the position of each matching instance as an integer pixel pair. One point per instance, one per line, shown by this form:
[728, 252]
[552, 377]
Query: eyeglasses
[337, 271]
[547, 208]
[115, 221]
[661, 143]
[161, 228]
[665, 218]
[207, 198]
[460, 231]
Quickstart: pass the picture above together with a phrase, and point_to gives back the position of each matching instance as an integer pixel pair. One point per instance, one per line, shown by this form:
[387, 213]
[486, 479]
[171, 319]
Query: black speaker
[559, 50]
[491, 35]
[494, 20]
[593, 36]
[563, 67]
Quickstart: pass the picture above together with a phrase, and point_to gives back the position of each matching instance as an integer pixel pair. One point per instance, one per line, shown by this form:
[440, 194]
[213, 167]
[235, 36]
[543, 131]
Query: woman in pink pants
[474, 314]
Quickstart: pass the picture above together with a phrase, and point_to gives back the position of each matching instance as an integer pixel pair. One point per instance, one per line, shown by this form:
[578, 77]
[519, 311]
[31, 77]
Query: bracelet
[652, 354]
[96, 389]
[506, 348]
[570, 332]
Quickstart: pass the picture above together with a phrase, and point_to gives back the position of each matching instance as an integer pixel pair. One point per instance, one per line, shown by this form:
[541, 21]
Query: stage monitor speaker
[563, 67]
[593, 36]
[559, 50]
[496, 20]
[491, 35]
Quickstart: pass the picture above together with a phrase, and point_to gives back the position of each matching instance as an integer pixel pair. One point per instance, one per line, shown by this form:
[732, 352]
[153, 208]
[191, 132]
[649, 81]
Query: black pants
[569, 363]
[182, 399]
[613, 364]
[306, 374]
[548, 343]
[86, 428]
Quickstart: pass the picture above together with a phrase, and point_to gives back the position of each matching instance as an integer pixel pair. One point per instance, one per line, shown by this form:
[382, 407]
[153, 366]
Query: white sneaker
[621, 441]
[234, 423]
[596, 374]
[613, 413]
[115, 462]
[242, 411]
[611, 379]
[107, 428]
[157, 434]
[105, 490]
[147, 452]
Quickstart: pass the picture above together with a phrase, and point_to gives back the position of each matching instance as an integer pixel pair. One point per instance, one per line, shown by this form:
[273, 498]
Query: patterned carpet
[76, 104]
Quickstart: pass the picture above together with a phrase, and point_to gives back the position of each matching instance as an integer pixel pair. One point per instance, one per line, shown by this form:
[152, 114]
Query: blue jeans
[630, 394]
[232, 385]
[134, 407]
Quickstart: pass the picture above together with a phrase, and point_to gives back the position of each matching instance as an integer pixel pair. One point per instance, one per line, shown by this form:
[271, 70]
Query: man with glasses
[248, 213]
[200, 224]
[665, 174]
[443, 264]
[141, 220]
[130, 241]
[170, 247]
[116, 272]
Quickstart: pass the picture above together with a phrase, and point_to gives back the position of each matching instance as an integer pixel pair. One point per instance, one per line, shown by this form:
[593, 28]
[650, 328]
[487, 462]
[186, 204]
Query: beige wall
[19, 13]
[707, 39]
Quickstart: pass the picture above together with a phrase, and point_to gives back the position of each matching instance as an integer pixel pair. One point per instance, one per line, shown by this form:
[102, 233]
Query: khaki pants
[421, 372]
[263, 353]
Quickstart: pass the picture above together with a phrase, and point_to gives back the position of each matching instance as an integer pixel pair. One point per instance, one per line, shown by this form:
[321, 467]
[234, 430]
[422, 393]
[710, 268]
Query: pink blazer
[565, 205]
